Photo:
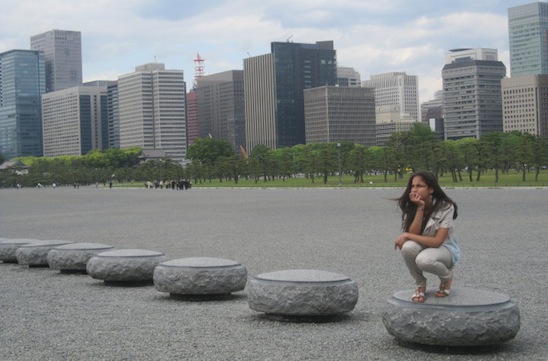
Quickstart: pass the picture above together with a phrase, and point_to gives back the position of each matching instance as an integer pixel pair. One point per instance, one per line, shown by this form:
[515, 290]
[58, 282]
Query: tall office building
[75, 120]
[525, 104]
[22, 82]
[472, 100]
[113, 116]
[63, 54]
[396, 97]
[337, 114]
[221, 112]
[528, 39]
[151, 106]
[273, 87]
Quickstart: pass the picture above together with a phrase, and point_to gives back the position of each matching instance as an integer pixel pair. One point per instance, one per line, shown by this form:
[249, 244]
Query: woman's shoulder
[445, 207]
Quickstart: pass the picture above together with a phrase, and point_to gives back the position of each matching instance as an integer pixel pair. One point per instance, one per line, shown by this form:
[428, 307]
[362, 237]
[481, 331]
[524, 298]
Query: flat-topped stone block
[35, 254]
[468, 317]
[200, 276]
[9, 246]
[302, 292]
[74, 257]
[125, 265]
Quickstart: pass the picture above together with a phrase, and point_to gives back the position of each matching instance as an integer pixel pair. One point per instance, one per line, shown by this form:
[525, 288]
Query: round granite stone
[302, 292]
[74, 257]
[467, 317]
[35, 254]
[9, 246]
[200, 276]
[125, 265]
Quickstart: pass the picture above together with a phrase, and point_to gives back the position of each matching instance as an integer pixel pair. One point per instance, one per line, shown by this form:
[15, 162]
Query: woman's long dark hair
[439, 198]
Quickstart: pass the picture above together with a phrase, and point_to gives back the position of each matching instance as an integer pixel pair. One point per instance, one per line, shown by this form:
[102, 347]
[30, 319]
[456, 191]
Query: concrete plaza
[52, 316]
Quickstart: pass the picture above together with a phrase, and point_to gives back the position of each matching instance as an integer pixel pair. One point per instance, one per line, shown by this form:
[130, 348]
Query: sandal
[419, 296]
[445, 288]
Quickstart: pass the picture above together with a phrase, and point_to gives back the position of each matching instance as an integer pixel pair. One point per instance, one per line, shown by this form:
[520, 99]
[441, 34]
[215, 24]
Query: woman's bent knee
[411, 247]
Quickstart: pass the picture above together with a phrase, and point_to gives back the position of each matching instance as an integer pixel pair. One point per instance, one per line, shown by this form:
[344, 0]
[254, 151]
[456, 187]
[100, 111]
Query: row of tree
[419, 148]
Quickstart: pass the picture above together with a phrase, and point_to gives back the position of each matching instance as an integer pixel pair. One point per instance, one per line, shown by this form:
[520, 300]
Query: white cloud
[370, 35]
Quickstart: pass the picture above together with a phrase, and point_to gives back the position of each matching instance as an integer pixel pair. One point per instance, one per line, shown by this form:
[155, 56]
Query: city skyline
[370, 37]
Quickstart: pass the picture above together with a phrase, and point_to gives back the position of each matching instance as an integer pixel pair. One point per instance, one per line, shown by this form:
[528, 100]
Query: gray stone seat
[74, 257]
[302, 292]
[35, 254]
[125, 265]
[9, 246]
[200, 276]
[468, 317]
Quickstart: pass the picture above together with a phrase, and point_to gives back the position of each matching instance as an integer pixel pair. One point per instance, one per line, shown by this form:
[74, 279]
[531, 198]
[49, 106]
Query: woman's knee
[433, 258]
[424, 261]
[411, 247]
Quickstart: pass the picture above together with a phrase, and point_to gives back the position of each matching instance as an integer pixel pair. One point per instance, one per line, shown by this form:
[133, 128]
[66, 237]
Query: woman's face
[420, 189]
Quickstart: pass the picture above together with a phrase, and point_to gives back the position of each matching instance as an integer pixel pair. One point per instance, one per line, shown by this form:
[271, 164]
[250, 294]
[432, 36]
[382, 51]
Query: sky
[371, 36]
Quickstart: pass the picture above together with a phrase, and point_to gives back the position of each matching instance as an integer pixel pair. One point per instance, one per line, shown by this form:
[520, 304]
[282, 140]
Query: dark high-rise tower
[274, 85]
[472, 100]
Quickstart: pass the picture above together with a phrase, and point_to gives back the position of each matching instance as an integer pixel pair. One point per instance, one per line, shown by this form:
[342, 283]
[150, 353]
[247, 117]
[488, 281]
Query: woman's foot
[418, 296]
[445, 288]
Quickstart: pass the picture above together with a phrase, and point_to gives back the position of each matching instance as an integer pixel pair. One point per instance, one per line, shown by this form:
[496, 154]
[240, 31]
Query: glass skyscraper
[528, 33]
[22, 82]
[273, 88]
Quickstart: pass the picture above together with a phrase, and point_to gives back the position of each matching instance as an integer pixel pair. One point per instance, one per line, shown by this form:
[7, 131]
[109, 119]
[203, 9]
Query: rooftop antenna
[198, 68]
[289, 38]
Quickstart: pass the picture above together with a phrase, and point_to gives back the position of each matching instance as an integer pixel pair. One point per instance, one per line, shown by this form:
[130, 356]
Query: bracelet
[420, 209]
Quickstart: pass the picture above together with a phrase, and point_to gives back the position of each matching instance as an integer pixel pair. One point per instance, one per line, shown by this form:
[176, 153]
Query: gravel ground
[46, 315]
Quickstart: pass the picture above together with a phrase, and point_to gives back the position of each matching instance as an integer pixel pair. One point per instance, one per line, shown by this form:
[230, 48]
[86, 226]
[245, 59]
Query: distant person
[428, 243]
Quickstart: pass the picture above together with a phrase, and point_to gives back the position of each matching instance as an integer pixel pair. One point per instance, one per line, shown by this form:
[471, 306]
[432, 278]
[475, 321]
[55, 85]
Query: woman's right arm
[416, 225]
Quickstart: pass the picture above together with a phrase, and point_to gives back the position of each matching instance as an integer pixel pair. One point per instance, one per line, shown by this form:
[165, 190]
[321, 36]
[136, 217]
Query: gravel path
[45, 315]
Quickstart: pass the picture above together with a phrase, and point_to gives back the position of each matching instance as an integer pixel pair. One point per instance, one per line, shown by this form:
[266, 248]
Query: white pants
[419, 259]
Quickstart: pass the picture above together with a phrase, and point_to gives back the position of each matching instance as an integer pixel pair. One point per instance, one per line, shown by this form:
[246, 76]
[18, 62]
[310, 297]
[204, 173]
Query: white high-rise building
[75, 120]
[396, 97]
[151, 110]
[525, 104]
[63, 55]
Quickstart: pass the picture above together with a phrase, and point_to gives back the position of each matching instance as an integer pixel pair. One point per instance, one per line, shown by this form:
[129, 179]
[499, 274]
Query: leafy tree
[285, 159]
[358, 162]
[468, 147]
[525, 153]
[399, 147]
[327, 159]
[264, 158]
[540, 154]
[207, 150]
[419, 143]
[454, 159]
[491, 143]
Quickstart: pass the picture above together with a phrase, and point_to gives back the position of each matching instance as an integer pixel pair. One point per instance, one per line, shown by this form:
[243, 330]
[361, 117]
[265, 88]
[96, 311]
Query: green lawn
[512, 179]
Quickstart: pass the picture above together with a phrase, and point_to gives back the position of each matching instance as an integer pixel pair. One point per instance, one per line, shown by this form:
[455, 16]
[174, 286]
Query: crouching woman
[428, 243]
